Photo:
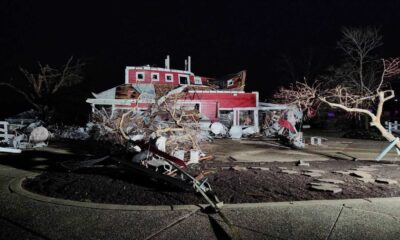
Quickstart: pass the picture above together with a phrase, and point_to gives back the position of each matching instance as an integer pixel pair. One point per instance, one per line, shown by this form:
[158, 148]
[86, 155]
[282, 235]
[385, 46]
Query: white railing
[4, 136]
[392, 126]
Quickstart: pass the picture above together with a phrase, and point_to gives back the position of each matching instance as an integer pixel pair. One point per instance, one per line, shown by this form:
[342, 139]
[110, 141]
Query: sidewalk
[22, 217]
[269, 151]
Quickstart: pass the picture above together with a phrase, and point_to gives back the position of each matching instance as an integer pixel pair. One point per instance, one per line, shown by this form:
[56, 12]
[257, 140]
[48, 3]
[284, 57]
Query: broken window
[139, 76]
[183, 79]
[246, 117]
[226, 117]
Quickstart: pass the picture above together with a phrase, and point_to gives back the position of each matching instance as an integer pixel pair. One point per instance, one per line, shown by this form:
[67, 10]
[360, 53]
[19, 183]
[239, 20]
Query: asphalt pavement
[29, 216]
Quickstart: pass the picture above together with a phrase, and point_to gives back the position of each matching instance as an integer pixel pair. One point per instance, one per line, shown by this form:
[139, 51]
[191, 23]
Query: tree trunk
[385, 133]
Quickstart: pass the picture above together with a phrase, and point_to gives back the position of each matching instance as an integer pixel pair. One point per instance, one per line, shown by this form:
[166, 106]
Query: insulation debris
[283, 121]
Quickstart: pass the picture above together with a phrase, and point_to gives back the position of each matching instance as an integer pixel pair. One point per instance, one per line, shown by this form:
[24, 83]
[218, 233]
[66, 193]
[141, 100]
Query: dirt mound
[110, 185]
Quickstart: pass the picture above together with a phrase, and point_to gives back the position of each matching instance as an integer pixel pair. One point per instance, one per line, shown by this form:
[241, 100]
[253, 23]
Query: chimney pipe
[189, 64]
[167, 62]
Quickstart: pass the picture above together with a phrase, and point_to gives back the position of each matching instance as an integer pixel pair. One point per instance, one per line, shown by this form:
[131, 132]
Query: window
[183, 79]
[226, 117]
[169, 77]
[246, 118]
[197, 80]
[155, 76]
[230, 82]
[139, 76]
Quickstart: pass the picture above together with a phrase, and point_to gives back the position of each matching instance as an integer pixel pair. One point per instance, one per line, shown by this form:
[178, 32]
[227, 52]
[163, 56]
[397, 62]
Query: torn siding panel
[226, 99]
[209, 109]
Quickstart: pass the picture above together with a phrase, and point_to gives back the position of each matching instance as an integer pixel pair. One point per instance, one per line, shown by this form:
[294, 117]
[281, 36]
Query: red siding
[209, 109]
[226, 100]
[147, 76]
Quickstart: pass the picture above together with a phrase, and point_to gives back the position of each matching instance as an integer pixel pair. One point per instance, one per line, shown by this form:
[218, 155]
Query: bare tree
[304, 65]
[42, 86]
[347, 98]
[360, 69]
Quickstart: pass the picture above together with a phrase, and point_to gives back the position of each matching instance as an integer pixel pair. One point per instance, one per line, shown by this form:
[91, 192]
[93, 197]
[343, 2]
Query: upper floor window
[183, 79]
[197, 80]
[169, 77]
[230, 82]
[155, 76]
[139, 76]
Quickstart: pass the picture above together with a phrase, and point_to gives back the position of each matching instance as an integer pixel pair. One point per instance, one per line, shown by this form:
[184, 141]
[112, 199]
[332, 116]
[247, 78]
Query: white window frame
[230, 82]
[169, 74]
[137, 76]
[197, 81]
[186, 76]
[155, 74]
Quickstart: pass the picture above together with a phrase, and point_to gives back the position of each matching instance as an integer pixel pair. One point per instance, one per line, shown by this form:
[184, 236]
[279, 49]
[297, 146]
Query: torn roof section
[211, 96]
[126, 91]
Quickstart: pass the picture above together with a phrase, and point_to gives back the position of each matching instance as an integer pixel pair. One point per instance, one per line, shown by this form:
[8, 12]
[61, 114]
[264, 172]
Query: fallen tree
[369, 103]
[173, 127]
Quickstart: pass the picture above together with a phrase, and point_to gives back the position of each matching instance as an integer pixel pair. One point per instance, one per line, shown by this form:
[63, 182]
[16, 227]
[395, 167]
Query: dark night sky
[221, 36]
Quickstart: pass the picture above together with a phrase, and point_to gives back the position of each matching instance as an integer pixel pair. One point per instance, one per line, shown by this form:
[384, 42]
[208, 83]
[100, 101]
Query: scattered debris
[311, 174]
[326, 187]
[329, 180]
[239, 168]
[230, 158]
[72, 132]
[15, 135]
[317, 141]
[390, 164]
[347, 155]
[248, 131]
[365, 169]
[366, 180]
[375, 165]
[281, 120]
[206, 158]
[343, 172]
[289, 171]
[315, 171]
[302, 163]
[385, 180]
[282, 168]
[361, 174]
[259, 168]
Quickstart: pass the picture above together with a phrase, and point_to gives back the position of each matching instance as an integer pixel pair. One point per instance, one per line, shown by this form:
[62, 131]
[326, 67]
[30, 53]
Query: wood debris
[385, 180]
[289, 171]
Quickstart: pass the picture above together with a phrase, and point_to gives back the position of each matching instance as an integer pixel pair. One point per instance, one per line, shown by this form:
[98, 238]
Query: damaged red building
[217, 99]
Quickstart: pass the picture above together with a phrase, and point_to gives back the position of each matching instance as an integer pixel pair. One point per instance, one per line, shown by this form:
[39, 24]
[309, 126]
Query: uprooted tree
[360, 68]
[45, 84]
[368, 102]
[165, 118]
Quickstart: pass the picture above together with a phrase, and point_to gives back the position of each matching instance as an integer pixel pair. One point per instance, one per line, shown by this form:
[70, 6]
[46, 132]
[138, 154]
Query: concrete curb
[16, 187]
